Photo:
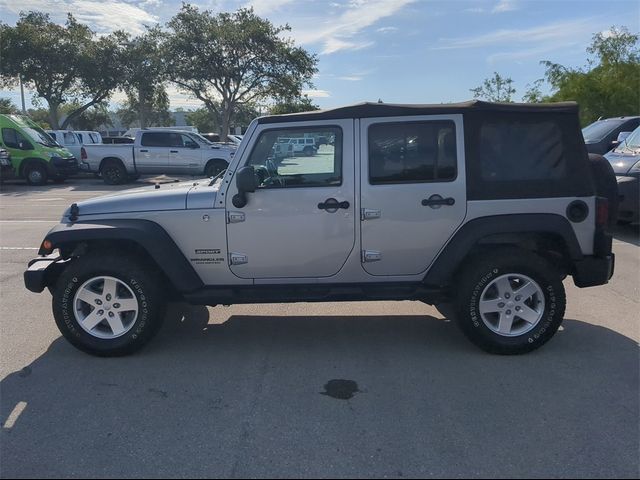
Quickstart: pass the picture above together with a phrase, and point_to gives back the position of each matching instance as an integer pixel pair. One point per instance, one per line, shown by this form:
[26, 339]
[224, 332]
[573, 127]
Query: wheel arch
[549, 235]
[143, 239]
[30, 161]
[211, 161]
[111, 159]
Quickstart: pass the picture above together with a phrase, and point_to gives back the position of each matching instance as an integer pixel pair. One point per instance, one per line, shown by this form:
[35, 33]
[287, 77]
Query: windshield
[632, 142]
[598, 130]
[40, 136]
[200, 139]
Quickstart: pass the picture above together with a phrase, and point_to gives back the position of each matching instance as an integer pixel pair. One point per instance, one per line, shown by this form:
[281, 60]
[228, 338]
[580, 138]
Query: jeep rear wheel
[511, 302]
[113, 172]
[108, 304]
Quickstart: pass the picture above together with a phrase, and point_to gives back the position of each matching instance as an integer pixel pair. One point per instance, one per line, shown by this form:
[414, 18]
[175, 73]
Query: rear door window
[156, 139]
[412, 152]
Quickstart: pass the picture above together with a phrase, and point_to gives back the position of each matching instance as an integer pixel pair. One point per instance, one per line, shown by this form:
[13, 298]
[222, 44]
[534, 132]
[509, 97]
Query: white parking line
[53, 220]
[13, 416]
[19, 248]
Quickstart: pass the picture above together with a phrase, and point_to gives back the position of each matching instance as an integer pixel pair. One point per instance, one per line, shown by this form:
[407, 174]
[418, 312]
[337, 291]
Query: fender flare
[30, 160]
[472, 232]
[147, 234]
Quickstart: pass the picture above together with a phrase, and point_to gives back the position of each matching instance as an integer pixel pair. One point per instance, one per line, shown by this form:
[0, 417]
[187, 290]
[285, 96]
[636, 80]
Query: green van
[35, 156]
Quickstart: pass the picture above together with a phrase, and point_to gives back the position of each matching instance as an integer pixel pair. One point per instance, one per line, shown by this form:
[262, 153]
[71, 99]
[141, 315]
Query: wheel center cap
[107, 306]
[510, 304]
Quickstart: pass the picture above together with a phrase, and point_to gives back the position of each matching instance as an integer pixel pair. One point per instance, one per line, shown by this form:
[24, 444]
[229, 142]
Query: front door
[300, 222]
[413, 190]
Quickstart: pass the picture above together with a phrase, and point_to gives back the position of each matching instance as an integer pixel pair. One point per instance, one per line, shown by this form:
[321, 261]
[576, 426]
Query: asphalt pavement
[250, 391]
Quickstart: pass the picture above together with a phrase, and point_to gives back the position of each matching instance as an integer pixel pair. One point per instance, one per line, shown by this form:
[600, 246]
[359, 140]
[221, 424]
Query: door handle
[332, 205]
[173, 151]
[436, 201]
[143, 151]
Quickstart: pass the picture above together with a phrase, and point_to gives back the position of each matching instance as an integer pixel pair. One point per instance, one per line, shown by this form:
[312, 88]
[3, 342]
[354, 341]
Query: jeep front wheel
[511, 302]
[108, 305]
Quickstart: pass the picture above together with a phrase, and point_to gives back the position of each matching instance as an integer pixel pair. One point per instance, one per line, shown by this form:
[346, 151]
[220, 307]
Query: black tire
[59, 180]
[308, 151]
[36, 174]
[140, 278]
[479, 274]
[214, 167]
[113, 172]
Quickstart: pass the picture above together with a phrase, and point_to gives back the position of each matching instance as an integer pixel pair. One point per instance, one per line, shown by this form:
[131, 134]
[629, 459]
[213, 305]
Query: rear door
[413, 190]
[152, 155]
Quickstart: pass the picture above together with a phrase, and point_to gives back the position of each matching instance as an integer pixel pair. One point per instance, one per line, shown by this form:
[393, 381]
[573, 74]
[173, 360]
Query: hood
[166, 196]
[622, 160]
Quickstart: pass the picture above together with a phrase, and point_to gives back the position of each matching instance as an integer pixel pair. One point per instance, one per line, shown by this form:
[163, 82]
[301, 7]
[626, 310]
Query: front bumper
[592, 271]
[629, 195]
[42, 271]
[64, 167]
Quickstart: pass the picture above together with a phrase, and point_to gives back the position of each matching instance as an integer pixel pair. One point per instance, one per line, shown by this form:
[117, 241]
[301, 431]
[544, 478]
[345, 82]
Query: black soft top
[371, 109]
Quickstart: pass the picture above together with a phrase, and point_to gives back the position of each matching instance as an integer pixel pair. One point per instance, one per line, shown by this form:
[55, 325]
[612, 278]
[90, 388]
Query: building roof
[371, 109]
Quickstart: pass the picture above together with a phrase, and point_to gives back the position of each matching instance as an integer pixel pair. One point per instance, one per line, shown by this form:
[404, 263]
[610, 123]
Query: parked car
[35, 156]
[116, 140]
[89, 137]
[306, 145]
[212, 137]
[157, 152]
[486, 224]
[184, 128]
[236, 139]
[6, 169]
[625, 160]
[601, 136]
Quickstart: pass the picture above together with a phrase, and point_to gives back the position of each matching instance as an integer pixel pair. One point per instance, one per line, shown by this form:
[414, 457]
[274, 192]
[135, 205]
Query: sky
[399, 51]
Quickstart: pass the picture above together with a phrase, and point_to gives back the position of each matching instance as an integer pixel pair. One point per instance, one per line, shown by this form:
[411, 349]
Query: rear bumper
[42, 271]
[592, 271]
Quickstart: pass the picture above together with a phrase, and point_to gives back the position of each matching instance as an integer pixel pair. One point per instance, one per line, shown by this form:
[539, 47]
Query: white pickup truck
[156, 152]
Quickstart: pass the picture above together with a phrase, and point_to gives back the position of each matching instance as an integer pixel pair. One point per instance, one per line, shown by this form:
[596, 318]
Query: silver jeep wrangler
[480, 209]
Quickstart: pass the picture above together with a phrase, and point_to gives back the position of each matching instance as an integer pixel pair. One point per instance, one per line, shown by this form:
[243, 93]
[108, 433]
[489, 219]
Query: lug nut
[501, 305]
[518, 298]
[108, 297]
[100, 312]
[508, 312]
[98, 301]
[506, 295]
[111, 314]
[116, 305]
[518, 309]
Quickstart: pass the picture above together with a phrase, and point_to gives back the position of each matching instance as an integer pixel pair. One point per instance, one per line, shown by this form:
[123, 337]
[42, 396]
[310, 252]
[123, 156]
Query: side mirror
[622, 136]
[192, 145]
[246, 183]
[22, 145]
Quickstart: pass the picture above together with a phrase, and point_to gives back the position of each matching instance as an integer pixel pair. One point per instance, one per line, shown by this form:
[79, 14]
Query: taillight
[83, 154]
[602, 212]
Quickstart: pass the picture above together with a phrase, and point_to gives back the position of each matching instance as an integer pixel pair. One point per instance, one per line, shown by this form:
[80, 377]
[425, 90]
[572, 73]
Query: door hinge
[371, 256]
[369, 214]
[238, 258]
[235, 217]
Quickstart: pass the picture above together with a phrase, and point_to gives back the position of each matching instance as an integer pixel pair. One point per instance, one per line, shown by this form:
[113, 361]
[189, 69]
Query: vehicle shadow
[246, 399]
[628, 233]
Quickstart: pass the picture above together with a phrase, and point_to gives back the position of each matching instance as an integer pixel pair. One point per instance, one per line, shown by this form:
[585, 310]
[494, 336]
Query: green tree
[93, 118]
[293, 105]
[230, 59]
[144, 81]
[7, 106]
[203, 120]
[62, 63]
[533, 93]
[495, 89]
[609, 86]
[155, 107]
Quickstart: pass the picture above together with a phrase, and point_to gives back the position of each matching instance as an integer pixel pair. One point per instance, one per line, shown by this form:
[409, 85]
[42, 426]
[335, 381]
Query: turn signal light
[47, 245]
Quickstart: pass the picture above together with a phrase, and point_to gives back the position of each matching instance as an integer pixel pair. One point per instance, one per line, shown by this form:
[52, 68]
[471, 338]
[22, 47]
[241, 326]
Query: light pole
[24, 110]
